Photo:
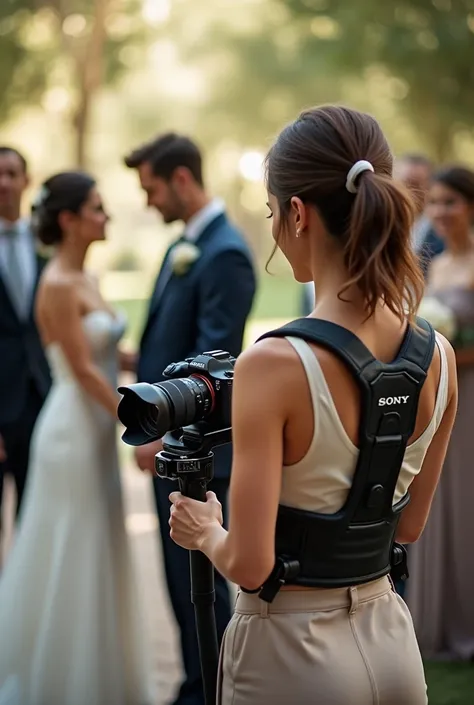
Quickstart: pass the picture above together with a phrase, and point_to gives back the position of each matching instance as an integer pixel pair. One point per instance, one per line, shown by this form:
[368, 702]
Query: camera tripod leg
[203, 597]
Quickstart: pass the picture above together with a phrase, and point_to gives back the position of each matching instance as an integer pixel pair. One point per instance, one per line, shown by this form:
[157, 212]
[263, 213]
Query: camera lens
[148, 411]
[189, 401]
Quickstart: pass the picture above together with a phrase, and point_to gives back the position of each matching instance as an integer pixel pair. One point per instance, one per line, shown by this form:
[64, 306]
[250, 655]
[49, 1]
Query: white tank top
[321, 481]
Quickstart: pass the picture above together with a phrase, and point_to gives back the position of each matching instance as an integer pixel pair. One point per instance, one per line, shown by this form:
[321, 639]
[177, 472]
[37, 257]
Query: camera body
[190, 411]
[216, 370]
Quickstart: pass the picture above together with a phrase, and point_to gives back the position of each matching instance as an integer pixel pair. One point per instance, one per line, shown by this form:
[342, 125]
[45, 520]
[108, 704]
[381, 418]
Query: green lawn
[450, 683]
[278, 297]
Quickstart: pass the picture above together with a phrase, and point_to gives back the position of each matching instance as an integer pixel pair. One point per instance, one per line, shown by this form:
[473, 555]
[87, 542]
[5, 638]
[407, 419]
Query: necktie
[15, 274]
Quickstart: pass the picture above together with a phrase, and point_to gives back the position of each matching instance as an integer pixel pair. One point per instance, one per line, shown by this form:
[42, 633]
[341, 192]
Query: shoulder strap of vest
[417, 347]
[384, 430]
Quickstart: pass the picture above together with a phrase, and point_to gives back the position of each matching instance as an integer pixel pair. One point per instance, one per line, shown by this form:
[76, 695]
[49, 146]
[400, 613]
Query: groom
[201, 301]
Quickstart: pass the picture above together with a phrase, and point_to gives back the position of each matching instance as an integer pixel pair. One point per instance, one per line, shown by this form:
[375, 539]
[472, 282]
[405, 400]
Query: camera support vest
[357, 544]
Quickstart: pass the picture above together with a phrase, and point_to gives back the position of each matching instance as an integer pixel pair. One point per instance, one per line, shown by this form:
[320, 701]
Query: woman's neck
[71, 257]
[461, 244]
[333, 301]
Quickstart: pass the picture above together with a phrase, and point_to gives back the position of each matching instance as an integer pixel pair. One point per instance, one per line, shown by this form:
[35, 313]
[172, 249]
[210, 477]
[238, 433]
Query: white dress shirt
[25, 249]
[200, 220]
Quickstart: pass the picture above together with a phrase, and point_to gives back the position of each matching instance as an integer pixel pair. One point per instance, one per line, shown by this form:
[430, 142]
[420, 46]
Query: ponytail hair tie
[355, 171]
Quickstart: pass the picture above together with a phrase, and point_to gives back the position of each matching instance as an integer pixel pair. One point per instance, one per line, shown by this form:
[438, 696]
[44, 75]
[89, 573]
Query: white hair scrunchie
[359, 167]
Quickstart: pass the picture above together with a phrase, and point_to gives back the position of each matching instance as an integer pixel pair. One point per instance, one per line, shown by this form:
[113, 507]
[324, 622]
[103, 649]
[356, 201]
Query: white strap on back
[326, 415]
[442, 395]
[313, 373]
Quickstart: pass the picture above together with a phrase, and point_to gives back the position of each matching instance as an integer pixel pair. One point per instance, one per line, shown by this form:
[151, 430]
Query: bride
[69, 633]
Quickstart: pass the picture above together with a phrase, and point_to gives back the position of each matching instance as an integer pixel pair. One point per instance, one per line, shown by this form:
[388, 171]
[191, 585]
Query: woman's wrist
[212, 536]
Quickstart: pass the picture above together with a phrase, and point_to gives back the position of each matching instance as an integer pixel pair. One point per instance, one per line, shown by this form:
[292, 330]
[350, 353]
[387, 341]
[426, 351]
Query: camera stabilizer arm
[194, 469]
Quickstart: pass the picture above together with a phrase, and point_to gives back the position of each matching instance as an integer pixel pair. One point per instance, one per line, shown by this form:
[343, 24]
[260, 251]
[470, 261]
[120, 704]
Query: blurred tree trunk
[90, 73]
[87, 59]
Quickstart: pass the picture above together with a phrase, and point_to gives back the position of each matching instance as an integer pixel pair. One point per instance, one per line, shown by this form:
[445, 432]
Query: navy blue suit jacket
[204, 309]
[22, 359]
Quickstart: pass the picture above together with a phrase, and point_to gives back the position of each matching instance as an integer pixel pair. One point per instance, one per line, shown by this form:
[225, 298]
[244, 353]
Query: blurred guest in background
[441, 585]
[308, 299]
[414, 170]
[201, 301]
[67, 608]
[24, 373]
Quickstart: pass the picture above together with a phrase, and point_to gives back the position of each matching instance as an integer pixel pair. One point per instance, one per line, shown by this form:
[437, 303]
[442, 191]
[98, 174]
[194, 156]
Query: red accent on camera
[210, 387]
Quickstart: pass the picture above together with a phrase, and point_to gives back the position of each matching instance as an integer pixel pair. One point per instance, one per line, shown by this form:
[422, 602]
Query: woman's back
[321, 436]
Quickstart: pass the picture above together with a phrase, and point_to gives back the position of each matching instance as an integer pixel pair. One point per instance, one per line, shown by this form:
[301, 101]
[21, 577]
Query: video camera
[190, 410]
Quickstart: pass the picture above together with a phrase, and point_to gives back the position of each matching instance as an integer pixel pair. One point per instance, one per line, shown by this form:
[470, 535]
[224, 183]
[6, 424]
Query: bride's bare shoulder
[57, 290]
[55, 278]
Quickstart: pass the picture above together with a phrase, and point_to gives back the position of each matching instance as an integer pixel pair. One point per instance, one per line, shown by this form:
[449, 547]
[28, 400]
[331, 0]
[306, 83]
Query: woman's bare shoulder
[269, 351]
[268, 363]
[56, 278]
[57, 288]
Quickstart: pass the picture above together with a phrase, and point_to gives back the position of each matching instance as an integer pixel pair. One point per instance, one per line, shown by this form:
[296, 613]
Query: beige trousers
[348, 646]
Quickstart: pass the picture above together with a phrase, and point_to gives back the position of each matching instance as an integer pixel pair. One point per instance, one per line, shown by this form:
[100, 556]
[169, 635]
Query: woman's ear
[298, 215]
[66, 220]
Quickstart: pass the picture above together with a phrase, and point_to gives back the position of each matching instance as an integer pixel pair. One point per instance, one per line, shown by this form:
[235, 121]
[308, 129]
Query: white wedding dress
[69, 633]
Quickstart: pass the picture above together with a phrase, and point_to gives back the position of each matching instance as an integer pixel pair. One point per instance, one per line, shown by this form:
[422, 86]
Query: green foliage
[20, 79]
[43, 42]
[267, 59]
[427, 44]
[258, 67]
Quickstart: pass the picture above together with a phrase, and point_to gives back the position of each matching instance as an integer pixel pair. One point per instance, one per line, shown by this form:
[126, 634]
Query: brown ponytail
[311, 159]
[378, 252]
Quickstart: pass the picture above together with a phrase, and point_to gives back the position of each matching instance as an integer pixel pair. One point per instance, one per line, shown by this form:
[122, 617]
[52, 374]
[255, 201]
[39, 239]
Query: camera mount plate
[189, 469]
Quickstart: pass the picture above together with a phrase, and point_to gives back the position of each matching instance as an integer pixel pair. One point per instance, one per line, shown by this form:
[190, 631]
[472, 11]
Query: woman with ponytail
[342, 223]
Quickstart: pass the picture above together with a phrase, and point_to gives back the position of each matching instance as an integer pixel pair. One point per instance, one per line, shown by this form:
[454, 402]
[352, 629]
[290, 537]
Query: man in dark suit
[201, 301]
[24, 373]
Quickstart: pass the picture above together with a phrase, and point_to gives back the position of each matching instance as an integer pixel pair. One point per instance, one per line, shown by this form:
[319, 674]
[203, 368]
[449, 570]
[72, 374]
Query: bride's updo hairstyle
[67, 191]
[338, 160]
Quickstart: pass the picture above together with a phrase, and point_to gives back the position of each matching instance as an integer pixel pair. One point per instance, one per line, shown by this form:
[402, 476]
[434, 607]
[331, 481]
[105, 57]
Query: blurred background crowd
[82, 81]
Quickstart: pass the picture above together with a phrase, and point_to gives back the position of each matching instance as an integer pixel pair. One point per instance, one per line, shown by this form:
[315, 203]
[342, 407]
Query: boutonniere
[183, 256]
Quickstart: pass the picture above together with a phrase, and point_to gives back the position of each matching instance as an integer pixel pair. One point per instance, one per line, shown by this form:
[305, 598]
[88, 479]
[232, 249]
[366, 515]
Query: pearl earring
[298, 232]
